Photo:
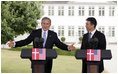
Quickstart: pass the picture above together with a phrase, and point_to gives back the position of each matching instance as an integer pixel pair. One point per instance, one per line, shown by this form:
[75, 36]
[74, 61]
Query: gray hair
[46, 18]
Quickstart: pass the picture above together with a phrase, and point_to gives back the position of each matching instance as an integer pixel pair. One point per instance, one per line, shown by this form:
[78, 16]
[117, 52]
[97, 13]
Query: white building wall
[76, 20]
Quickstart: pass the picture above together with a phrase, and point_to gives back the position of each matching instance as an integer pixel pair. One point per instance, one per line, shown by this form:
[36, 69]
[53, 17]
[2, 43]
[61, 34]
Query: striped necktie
[89, 36]
[44, 37]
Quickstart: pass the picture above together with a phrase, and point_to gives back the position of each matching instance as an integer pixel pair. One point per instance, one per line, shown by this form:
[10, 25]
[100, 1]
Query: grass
[12, 63]
[66, 64]
[59, 51]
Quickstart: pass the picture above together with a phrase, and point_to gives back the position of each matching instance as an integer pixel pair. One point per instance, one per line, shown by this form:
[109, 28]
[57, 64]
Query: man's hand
[71, 47]
[10, 43]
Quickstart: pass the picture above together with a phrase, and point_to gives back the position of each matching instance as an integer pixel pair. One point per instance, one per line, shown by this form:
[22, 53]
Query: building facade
[69, 18]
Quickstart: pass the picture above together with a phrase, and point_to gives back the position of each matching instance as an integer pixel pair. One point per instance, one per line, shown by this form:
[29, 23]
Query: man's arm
[83, 43]
[102, 42]
[20, 43]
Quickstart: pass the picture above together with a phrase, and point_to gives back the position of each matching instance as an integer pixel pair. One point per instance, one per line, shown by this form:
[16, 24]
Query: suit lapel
[40, 33]
[48, 38]
[86, 43]
[94, 34]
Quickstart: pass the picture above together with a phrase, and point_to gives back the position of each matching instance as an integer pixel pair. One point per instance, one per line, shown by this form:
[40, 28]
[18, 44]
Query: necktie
[89, 36]
[44, 37]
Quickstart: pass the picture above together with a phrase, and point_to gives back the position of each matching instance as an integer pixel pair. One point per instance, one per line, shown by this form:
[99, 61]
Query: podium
[92, 66]
[39, 65]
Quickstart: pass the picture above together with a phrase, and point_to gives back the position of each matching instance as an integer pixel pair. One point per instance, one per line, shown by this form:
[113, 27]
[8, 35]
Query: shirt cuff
[14, 43]
[68, 48]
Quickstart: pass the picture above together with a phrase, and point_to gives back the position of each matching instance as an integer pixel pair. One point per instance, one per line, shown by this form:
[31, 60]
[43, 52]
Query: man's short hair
[92, 20]
[46, 18]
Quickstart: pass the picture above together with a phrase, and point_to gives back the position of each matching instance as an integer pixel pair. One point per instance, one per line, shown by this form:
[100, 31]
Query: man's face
[45, 24]
[89, 26]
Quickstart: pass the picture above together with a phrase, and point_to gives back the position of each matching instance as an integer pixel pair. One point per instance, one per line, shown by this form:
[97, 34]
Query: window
[52, 28]
[70, 30]
[81, 11]
[111, 31]
[71, 11]
[60, 30]
[50, 10]
[91, 11]
[111, 11]
[101, 29]
[61, 11]
[80, 31]
[101, 11]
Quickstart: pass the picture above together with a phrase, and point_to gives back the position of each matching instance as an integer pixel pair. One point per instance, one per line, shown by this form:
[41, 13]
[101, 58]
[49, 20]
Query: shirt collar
[92, 33]
[45, 31]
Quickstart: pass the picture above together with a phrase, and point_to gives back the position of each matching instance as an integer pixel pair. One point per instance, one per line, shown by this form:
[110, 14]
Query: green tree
[63, 39]
[80, 39]
[18, 17]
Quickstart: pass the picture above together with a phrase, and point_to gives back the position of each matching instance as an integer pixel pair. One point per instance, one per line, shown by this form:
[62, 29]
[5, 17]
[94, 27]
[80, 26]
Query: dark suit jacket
[51, 40]
[86, 45]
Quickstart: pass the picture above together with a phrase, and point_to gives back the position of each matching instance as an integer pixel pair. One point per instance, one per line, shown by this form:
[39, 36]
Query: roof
[81, 3]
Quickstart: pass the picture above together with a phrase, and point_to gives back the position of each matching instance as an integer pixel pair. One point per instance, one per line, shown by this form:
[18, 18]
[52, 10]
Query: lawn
[12, 63]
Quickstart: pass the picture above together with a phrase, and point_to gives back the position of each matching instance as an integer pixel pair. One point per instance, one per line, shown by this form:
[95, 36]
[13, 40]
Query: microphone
[94, 42]
[38, 43]
[41, 40]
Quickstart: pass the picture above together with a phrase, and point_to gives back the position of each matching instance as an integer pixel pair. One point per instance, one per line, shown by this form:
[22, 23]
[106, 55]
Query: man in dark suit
[50, 38]
[86, 41]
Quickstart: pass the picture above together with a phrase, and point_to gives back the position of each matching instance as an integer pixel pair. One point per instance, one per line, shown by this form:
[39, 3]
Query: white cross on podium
[35, 52]
[90, 53]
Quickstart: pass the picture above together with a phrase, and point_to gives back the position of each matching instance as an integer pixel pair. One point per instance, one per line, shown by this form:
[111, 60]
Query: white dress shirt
[93, 32]
[43, 33]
